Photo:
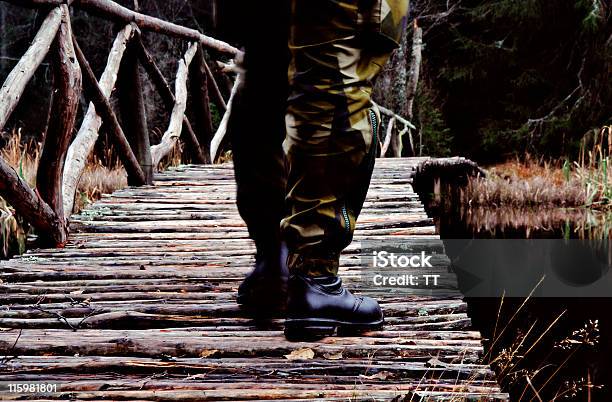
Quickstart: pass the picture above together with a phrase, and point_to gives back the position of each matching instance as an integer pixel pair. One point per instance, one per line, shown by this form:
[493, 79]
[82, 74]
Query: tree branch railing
[393, 137]
[48, 207]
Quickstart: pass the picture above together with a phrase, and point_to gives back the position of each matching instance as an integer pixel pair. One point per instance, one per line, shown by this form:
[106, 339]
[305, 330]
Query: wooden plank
[148, 284]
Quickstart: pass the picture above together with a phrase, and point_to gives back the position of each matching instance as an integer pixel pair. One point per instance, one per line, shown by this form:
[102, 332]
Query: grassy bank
[535, 182]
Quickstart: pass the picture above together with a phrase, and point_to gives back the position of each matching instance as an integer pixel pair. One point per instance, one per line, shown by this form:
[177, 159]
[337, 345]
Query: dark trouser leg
[257, 125]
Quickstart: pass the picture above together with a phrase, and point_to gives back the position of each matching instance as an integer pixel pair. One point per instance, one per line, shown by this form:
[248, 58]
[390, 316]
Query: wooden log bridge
[140, 305]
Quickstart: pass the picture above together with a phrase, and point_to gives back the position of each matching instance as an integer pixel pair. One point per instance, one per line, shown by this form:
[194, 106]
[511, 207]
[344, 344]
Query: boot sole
[316, 328]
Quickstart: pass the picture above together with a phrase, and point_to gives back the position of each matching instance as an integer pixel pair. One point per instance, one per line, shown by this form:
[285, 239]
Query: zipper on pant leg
[347, 220]
[372, 154]
[374, 123]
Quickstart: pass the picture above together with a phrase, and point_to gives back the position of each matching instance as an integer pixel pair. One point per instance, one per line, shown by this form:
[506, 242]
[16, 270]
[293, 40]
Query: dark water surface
[553, 365]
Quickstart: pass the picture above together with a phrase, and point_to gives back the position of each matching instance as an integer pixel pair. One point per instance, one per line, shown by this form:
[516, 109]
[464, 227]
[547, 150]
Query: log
[133, 112]
[222, 79]
[103, 106]
[67, 83]
[168, 141]
[84, 142]
[201, 102]
[111, 10]
[217, 97]
[38, 3]
[97, 364]
[28, 204]
[215, 144]
[158, 80]
[388, 136]
[391, 113]
[413, 75]
[15, 83]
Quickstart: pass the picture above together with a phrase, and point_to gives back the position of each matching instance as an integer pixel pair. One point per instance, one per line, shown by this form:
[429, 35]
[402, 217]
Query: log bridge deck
[140, 305]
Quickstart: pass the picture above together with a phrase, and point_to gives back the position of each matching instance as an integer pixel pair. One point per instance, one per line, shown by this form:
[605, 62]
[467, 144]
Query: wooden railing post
[201, 102]
[165, 92]
[85, 140]
[133, 112]
[177, 116]
[103, 107]
[64, 106]
[20, 75]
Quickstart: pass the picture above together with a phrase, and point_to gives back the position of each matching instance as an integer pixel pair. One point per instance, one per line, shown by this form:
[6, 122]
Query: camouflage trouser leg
[336, 50]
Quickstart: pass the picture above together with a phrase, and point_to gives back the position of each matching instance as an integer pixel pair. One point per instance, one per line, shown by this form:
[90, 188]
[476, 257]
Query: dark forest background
[498, 78]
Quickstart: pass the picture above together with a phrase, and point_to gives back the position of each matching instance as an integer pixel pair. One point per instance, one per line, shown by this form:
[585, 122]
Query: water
[554, 367]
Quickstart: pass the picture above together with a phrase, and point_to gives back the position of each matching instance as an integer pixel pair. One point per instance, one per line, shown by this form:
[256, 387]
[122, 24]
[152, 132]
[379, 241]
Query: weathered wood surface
[116, 12]
[64, 107]
[140, 305]
[20, 75]
[194, 147]
[134, 111]
[177, 116]
[104, 108]
[85, 140]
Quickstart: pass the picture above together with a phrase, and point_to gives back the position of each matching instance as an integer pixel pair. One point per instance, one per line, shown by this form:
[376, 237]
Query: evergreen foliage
[516, 76]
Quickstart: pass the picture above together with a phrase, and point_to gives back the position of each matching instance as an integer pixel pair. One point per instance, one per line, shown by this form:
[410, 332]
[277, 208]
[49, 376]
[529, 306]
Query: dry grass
[510, 360]
[97, 179]
[524, 183]
[535, 182]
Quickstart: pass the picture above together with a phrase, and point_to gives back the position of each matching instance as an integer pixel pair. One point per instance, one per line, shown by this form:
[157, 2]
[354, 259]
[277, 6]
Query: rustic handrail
[158, 80]
[133, 111]
[86, 138]
[216, 142]
[22, 73]
[49, 208]
[159, 151]
[110, 10]
[67, 82]
[104, 107]
[13, 188]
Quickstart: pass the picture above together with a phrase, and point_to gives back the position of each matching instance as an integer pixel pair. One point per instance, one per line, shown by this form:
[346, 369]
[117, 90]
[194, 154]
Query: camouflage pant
[315, 184]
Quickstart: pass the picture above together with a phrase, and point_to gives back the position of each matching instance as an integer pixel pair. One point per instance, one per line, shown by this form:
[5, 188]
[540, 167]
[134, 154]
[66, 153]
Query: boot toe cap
[369, 310]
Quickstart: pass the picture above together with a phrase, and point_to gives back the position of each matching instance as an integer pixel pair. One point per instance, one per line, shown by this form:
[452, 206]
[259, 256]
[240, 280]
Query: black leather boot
[321, 306]
[263, 293]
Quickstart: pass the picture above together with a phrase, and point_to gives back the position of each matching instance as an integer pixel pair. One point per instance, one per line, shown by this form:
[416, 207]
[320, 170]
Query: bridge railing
[48, 207]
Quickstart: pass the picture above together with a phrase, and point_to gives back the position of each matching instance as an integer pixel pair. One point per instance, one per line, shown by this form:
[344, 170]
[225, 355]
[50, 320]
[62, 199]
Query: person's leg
[337, 50]
[256, 130]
